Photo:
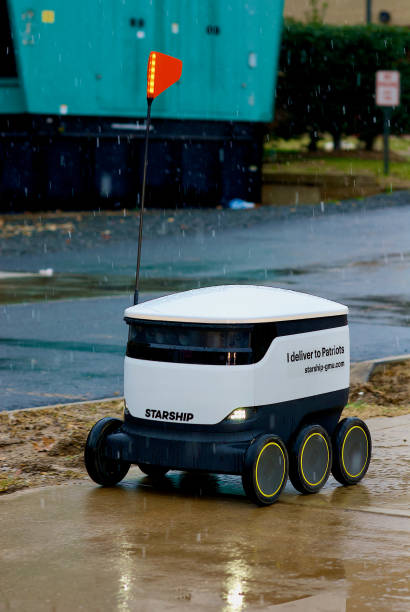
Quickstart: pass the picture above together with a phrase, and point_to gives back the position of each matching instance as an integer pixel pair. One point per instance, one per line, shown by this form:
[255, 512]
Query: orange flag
[163, 71]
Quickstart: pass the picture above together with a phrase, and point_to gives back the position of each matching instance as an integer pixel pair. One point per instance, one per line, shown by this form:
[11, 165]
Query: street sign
[387, 88]
[387, 96]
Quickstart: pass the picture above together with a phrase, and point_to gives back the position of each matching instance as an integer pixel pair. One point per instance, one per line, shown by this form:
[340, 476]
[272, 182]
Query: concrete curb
[361, 371]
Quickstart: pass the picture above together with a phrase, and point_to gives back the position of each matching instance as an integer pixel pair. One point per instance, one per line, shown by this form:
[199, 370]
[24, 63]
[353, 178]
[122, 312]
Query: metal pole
[144, 180]
[386, 133]
[368, 11]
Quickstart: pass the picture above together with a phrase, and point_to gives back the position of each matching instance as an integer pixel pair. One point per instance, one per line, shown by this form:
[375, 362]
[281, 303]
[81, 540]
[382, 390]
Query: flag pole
[144, 180]
[162, 72]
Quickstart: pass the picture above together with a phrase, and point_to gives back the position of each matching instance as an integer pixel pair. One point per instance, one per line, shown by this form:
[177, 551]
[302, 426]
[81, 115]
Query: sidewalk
[197, 543]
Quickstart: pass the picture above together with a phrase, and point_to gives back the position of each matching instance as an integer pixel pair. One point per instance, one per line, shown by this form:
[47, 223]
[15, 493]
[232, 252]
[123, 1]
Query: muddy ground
[45, 446]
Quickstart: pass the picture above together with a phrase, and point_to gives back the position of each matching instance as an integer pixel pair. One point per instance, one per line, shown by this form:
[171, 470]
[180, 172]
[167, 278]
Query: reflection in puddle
[237, 572]
[193, 540]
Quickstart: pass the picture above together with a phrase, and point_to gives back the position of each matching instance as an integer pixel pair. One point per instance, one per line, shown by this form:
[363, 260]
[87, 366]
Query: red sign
[387, 88]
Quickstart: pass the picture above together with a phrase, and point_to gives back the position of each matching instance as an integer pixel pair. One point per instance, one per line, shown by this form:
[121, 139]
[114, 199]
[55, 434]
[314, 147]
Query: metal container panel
[89, 58]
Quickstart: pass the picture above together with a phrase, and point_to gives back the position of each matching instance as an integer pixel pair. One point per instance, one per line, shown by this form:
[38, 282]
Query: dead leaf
[45, 445]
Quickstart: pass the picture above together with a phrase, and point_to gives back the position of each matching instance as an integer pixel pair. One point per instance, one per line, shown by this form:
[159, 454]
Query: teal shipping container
[73, 100]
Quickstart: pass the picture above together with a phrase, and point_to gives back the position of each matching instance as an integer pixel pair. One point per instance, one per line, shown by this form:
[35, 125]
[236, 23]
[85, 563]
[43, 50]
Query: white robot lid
[235, 304]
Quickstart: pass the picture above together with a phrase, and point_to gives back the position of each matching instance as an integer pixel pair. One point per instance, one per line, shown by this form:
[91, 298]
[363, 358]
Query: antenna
[163, 71]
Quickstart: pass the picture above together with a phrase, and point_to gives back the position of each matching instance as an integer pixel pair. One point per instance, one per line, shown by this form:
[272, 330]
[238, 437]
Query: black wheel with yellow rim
[310, 459]
[352, 451]
[104, 470]
[265, 470]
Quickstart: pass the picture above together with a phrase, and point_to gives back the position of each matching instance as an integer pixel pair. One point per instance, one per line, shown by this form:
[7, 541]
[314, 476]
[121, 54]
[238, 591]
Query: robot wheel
[153, 471]
[310, 459]
[352, 449]
[102, 469]
[266, 467]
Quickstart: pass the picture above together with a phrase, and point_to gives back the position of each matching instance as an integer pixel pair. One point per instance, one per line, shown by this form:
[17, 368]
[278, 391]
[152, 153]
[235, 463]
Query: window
[230, 345]
[189, 343]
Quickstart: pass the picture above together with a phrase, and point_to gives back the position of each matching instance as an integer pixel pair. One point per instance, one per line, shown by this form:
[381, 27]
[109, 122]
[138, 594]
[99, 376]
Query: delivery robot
[237, 379]
[233, 379]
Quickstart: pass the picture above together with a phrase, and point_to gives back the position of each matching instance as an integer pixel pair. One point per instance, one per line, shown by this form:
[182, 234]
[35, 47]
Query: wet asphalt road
[193, 542]
[357, 253]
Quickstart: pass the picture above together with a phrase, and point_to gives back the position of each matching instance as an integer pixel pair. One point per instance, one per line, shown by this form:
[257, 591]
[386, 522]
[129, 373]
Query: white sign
[387, 88]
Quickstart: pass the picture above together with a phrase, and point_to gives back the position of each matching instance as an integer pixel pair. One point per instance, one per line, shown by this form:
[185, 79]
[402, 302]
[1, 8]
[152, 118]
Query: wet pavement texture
[355, 252]
[195, 542]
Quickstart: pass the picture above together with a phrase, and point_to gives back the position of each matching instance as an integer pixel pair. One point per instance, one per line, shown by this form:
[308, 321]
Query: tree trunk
[369, 142]
[313, 142]
[337, 141]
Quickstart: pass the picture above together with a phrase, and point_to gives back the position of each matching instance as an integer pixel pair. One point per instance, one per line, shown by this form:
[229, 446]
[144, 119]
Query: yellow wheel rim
[367, 450]
[314, 484]
[256, 469]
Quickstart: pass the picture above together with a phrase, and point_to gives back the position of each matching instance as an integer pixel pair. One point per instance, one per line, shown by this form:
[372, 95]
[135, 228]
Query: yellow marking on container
[256, 469]
[367, 451]
[48, 16]
[314, 484]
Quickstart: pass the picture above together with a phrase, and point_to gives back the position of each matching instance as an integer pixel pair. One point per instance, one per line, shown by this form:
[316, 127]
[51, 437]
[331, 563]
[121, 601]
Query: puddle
[196, 542]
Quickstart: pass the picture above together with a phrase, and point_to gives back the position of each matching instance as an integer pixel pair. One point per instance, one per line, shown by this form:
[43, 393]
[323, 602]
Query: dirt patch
[45, 446]
[386, 394]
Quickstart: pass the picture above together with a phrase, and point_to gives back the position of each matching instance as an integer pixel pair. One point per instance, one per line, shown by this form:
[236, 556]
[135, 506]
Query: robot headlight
[240, 414]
